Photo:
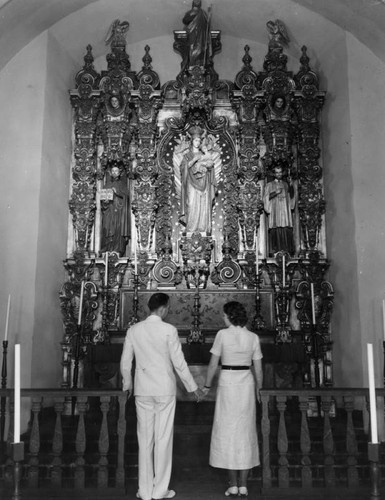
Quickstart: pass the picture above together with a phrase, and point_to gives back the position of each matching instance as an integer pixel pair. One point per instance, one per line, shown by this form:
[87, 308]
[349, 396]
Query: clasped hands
[200, 394]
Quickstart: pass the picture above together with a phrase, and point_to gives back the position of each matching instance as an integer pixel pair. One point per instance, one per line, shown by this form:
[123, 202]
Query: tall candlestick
[372, 396]
[7, 319]
[106, 271]
[81, 303]
[383, 317]
[312, 303]
[283, 270]
[16, 425]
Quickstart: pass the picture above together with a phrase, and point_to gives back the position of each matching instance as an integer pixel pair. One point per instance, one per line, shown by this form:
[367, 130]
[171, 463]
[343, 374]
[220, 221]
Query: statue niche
[197, 167]
[279, 203]
[114, 199]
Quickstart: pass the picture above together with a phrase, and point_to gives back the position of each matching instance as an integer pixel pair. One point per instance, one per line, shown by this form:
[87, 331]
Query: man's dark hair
[158, 300]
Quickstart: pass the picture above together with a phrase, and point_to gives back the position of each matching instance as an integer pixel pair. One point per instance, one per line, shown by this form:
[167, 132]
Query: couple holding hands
[157, 350]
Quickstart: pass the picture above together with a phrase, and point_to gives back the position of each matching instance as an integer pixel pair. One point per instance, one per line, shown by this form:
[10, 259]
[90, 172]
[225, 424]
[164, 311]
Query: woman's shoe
[232, 491]
[242, 490]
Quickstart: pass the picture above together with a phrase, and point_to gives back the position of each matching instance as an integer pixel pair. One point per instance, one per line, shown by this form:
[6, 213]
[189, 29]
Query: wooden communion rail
[94, 450]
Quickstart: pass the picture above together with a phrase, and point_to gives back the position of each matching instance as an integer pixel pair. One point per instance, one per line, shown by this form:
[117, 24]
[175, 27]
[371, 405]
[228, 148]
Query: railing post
[305, 443]
[34, 445]
[265, 427]
[80, 443]
[57, 445]
[351, 443]
[104, 443]
[328, 443]
[283, 469]
[120, 474]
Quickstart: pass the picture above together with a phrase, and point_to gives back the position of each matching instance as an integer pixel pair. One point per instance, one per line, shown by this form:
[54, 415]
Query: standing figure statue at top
[197, 26]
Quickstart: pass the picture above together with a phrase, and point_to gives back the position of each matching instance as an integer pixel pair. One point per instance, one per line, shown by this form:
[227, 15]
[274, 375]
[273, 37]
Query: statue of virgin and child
[197, 165]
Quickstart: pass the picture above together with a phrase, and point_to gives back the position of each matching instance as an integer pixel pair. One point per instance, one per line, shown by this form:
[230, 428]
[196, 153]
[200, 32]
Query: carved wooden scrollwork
[227, 272]
[165, 271]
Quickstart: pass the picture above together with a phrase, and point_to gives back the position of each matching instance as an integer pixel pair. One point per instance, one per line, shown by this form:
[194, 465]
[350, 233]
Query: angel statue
[197, 166]
[278, 35]
[116, 36]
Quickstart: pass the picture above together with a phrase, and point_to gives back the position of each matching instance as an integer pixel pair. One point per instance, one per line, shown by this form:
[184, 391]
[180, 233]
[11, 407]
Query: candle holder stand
[135, 302]
[17, 457]
[258, 322]
[195, 336]
[374, 459]
[104, 329]
[77, 354]
[3, 401]
[316, 355]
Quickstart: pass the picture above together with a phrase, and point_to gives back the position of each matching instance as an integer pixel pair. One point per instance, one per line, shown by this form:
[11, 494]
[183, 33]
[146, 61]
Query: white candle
[256, 255]
[283, 270]
[383, 317]
[81, 303]
[135, 256]
[7, 318]
[372, 396]
[312, 303]
[16, 425]
[106, 271]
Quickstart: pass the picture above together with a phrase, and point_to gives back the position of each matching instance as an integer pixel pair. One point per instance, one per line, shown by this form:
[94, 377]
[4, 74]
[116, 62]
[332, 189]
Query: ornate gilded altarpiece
[266, 118]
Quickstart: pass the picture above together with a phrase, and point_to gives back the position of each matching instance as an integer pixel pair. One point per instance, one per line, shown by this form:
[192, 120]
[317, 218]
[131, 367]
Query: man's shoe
[138, 495]
[169, 494]
[232, 491]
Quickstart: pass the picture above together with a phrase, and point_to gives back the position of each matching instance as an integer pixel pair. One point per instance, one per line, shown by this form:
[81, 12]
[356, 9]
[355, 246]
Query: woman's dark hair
[236, 313]
[158, 300]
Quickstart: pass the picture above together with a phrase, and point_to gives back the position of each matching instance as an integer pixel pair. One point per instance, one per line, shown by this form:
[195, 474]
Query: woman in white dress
[234, 442]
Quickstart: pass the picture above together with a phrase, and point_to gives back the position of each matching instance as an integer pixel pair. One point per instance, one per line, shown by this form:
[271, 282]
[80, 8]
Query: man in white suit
[157, 351]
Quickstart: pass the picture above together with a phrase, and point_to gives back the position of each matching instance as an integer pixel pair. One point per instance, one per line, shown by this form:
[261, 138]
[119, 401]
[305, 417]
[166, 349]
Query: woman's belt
[231, 367]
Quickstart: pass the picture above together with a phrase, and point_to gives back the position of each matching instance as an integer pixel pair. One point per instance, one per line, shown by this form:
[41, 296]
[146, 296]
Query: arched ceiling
[23, 20]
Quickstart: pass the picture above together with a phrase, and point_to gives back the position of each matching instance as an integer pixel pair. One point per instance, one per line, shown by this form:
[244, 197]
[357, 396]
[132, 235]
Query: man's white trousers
[155, 416]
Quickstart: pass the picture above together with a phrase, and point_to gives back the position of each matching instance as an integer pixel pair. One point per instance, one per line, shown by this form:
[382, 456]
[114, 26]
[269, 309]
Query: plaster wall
[340, 215]
[22, 86]
[34, 162]
[367, 111]
[53, 215]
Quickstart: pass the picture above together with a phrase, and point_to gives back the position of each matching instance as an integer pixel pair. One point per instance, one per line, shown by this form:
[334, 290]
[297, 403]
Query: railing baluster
[81, 405]
[11, 429]
[305, 443]
[34, 445]
[265, 427]
[351, 443]
[57, 445]
[122, 425]
[8, 466]
[328, 442]
[283, 469]
[104, 443]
